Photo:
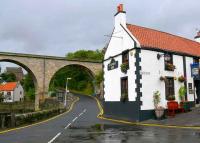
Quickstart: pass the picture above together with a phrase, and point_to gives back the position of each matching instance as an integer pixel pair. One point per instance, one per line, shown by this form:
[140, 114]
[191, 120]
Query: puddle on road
[100, 133]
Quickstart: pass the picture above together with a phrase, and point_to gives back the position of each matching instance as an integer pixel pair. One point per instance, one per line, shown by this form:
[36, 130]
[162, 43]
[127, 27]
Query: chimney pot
[120, 8]
[198, 33]
[197, 38]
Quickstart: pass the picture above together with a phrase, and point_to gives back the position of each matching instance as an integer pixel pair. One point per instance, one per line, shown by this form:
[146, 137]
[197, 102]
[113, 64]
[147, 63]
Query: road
[84, 113]
[82, 125]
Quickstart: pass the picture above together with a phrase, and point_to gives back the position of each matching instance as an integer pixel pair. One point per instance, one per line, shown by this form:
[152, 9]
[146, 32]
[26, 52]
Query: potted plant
[171, 98]
[182, 92]
[181, 78]
[159, 110]
[124, 67]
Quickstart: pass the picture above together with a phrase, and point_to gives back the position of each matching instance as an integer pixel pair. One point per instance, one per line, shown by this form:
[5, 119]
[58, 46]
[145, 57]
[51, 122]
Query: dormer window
[168, 58]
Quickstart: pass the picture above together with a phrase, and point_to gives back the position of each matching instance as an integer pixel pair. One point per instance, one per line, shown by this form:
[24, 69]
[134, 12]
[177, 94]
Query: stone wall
[43, 68]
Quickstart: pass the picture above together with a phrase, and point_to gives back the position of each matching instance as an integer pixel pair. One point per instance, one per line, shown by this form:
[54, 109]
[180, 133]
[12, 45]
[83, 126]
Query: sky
[56, 27]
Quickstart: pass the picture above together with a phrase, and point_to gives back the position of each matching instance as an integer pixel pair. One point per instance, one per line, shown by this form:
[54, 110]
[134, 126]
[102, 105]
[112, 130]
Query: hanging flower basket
[170, 67]
[124, 67]
[162, 78]
[181, 79]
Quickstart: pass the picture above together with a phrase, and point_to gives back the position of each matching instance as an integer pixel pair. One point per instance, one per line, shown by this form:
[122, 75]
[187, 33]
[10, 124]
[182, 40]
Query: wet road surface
[82, 125]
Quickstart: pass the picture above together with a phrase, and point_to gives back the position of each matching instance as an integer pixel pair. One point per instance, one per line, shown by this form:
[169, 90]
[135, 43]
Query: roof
[10, 86]
[155, 39]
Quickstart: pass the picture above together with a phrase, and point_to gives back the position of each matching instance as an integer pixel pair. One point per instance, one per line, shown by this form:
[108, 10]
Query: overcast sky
[55, 27]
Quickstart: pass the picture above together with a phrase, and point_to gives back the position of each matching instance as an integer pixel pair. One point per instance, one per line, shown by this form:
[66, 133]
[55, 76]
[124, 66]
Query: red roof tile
[10, 86]
[156, 39]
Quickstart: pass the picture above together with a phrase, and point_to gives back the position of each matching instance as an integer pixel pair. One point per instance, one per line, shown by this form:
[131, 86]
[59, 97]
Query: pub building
[139, 61]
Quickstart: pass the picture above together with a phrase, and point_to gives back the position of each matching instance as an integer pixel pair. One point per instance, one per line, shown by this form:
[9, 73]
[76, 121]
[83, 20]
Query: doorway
[124, 89]
[197, 87]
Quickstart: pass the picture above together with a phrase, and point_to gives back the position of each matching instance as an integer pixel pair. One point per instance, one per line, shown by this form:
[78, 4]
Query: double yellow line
[14, 129]
[100, 116]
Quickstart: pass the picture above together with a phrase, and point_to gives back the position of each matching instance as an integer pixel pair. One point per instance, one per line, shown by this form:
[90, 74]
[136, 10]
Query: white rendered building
[12, 91]
[154, 61]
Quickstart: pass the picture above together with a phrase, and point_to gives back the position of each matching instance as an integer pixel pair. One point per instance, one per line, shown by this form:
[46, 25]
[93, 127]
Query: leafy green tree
[99, 78]
[81, 80]
[87, 55]
[29, 87]
[8, 77]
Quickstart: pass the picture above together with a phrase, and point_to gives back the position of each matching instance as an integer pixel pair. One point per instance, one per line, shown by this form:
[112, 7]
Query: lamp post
[66, 92]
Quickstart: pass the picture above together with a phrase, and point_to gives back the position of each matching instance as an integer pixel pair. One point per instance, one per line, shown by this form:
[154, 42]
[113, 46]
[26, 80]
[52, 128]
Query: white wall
[5, 95]
[119, 42]
[112, 79]
[17, 94]
[152, 69]
[189, 60]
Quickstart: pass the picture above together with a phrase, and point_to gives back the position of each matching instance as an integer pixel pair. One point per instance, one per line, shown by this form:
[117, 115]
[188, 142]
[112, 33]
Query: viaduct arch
[42, 68]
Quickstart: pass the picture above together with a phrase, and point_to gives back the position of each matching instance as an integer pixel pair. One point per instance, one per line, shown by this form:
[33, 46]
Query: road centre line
[54, 137]
[74, 119]
[67, 125]
[80, 114]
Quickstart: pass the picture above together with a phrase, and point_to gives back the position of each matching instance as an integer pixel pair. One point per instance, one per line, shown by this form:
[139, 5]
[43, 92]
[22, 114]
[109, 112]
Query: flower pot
[159, 112]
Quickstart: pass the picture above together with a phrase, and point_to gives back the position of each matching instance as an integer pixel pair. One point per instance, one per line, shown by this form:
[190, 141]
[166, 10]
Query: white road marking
[74, 119]
[67, 125]
[54, 137]
[80, 114]
[84, 110]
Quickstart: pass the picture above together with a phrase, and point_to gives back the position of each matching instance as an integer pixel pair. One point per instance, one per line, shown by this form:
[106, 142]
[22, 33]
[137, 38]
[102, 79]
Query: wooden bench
[172, 107]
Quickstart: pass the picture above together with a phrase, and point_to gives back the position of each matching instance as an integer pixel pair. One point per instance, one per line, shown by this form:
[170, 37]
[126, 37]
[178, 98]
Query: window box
[169, 67]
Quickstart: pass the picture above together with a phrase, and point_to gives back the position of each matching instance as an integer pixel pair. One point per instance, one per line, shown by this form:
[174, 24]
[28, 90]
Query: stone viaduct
[42, 68]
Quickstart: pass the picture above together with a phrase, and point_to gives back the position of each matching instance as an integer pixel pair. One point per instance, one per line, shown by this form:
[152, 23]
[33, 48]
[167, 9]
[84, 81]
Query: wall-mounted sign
[195, 69]
[145, 73]
[113, 64]
[191, 91]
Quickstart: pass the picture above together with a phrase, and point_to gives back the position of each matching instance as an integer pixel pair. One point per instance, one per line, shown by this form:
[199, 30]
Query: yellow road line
[100, 116]
[14, 129]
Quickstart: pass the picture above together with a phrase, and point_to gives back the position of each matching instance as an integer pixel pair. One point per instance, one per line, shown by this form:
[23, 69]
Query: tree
[99, 78]
[29, 87]
[8, 77]
[81, 80]
[86, 55]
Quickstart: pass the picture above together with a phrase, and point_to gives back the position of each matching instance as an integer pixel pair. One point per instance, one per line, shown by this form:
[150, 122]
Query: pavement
[191, 118]
[82, 125]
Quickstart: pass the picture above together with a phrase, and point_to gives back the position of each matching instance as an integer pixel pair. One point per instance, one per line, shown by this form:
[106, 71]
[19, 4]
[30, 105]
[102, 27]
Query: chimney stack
[197, 38]
[120, 8]
[120, 16]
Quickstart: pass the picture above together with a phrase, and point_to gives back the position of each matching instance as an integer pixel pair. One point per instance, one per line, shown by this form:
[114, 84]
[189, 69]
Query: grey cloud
[57, 27]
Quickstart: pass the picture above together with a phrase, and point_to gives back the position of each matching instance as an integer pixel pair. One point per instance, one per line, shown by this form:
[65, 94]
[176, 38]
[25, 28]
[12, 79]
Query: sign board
[191, 91]
[195, 69]
[113, 64]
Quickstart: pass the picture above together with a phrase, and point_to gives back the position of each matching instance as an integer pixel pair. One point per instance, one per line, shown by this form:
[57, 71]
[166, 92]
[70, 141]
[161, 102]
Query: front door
[197, 87]
[124, 89]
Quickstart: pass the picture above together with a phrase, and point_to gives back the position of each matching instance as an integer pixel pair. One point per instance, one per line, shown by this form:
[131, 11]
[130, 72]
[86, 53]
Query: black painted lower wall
[127, 111]
[122, 110]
